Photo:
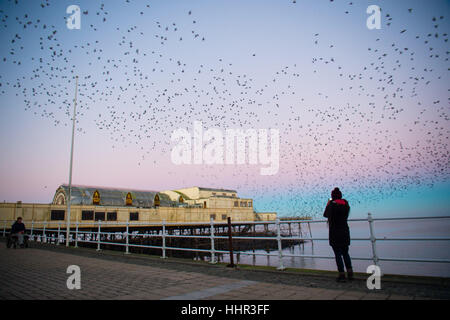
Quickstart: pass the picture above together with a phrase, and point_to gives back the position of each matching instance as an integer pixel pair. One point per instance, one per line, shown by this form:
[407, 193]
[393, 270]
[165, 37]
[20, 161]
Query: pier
[193, 240]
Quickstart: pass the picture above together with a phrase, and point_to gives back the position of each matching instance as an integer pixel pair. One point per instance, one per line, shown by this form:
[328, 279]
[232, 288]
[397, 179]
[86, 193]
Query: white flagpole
[71, 161]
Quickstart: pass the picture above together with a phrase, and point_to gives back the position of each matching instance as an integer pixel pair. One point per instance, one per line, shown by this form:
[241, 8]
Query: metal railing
[58, 236]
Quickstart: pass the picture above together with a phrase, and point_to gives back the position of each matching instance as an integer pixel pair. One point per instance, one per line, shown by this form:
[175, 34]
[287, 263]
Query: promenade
[39, 273]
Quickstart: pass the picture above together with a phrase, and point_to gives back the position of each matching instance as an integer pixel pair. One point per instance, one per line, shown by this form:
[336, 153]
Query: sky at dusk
[363, 110]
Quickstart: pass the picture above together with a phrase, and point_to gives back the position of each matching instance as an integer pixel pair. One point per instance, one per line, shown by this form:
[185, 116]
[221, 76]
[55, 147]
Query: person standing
[18, 230]
[337, 211]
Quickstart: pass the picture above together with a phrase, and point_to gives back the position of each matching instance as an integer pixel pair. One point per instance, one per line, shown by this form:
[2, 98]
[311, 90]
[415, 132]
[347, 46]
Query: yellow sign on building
[157, 201]
[96, 198]
[129, 199]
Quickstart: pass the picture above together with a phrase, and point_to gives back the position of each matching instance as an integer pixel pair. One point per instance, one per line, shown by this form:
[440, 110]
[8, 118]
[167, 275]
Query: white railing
[95, 237]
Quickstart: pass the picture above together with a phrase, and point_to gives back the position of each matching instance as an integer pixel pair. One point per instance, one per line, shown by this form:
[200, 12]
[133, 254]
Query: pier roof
[83, 195]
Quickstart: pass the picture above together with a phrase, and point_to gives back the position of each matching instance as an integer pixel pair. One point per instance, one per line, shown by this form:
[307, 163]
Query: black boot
[341, 277]
[350, 274]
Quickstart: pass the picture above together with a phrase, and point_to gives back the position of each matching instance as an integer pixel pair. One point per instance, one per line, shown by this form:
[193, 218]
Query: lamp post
[71, 161]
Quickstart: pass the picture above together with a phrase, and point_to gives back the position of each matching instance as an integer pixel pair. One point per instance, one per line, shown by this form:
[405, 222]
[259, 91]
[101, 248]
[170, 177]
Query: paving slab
[40, 273]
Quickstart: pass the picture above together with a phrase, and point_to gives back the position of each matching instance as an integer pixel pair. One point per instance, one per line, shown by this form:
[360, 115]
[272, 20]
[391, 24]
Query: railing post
[126, 240]
[4, 229]
[372, 239]
[98, 235]
[163, 239]
[31, 231]
[213, 250]
[44, 236]
[310, 235]
[59, 233]
[230, 244]
[76, 234]
[280, 247]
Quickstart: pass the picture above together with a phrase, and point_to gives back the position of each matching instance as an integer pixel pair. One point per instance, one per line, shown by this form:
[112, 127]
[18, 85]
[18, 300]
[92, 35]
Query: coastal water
[430, 249]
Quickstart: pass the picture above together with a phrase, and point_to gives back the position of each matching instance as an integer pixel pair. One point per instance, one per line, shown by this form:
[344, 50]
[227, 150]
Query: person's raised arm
[326, 213]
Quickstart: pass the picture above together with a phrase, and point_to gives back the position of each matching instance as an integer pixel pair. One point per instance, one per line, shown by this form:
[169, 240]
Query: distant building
[209, 197]
[115, 205]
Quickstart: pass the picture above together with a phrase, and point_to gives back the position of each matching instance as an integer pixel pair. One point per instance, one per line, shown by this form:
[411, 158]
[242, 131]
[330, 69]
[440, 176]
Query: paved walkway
[40, 273]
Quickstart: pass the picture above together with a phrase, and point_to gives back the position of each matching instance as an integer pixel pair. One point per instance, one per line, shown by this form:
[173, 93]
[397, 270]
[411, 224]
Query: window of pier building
[224, 217]
[61, 199]
[57, 215]
[212, 216]
[87, 215]
[236, 203]
[99, 216]
[111, 216]
[134, 216]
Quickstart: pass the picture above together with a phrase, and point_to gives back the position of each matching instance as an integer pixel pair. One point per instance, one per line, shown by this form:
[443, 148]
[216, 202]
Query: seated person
[18, 230]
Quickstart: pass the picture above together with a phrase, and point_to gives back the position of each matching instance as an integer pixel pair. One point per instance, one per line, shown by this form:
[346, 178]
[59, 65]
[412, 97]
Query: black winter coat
[17, 227]
[337, 213]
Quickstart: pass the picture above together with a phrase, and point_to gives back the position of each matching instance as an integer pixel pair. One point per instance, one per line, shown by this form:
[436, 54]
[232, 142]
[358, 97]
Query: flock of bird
[383, 130]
